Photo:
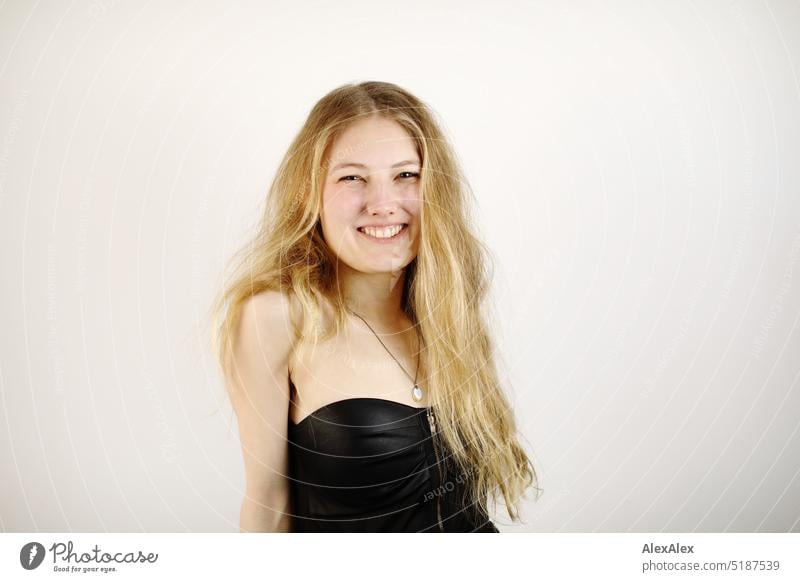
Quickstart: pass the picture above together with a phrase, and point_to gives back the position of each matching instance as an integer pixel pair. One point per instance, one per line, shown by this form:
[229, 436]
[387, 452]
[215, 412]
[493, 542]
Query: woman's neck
[377, 297]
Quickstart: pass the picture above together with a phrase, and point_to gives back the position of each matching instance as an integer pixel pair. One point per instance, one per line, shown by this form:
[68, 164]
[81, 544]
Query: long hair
[444, 290]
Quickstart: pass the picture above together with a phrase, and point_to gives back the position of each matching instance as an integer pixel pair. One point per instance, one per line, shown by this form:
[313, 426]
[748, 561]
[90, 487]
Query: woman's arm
[260, 397]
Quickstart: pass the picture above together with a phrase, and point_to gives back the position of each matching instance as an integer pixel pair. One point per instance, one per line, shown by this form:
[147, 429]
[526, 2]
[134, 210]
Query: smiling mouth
[381, 234]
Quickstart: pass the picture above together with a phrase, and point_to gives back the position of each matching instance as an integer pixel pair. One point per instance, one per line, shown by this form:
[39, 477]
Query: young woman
[352, 340]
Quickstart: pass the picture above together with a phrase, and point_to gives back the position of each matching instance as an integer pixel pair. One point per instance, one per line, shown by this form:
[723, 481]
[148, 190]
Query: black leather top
[368, 465]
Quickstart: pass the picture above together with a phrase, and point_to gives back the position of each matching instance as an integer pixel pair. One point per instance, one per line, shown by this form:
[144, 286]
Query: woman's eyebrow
[357, 165]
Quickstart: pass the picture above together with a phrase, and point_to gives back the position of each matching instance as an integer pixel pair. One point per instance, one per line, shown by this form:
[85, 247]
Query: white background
[635, 170]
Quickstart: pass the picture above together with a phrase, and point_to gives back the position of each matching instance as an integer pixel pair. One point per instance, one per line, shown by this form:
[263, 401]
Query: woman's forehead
[375, 143]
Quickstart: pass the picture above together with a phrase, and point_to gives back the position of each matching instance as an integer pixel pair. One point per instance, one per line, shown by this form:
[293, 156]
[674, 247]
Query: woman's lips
[384, 241]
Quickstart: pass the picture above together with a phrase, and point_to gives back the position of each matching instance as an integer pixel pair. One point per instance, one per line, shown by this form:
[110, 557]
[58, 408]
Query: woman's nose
[382, 197]
[380, 190]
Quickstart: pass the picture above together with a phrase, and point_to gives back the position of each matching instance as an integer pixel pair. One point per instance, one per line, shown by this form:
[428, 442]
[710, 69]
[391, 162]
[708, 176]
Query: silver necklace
[416, 391]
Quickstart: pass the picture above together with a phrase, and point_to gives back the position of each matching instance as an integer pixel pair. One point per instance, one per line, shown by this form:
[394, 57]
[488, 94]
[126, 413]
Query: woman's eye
[402, 175]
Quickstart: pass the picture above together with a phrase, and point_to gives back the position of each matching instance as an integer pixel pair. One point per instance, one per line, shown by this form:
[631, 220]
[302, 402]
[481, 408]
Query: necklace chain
[414, 380]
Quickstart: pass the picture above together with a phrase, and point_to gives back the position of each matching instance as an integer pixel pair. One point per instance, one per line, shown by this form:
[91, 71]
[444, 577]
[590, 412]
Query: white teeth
[387, 232]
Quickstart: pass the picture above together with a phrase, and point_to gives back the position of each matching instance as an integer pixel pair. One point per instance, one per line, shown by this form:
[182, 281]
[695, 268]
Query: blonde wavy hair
[445, 285]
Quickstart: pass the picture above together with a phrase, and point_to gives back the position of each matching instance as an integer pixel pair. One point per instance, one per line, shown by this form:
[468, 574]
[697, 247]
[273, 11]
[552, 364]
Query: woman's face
[372, 181]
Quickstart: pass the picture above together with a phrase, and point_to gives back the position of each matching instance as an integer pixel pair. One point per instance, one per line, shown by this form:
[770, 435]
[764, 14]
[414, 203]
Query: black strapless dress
[369, 465]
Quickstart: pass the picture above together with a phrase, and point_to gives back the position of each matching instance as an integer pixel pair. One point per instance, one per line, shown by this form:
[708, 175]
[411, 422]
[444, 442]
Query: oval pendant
[416, 393]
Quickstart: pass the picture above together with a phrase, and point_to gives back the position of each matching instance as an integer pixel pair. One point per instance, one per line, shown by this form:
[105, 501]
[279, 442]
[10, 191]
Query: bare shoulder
[273, 310]
[270, 305]
[265, 333]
